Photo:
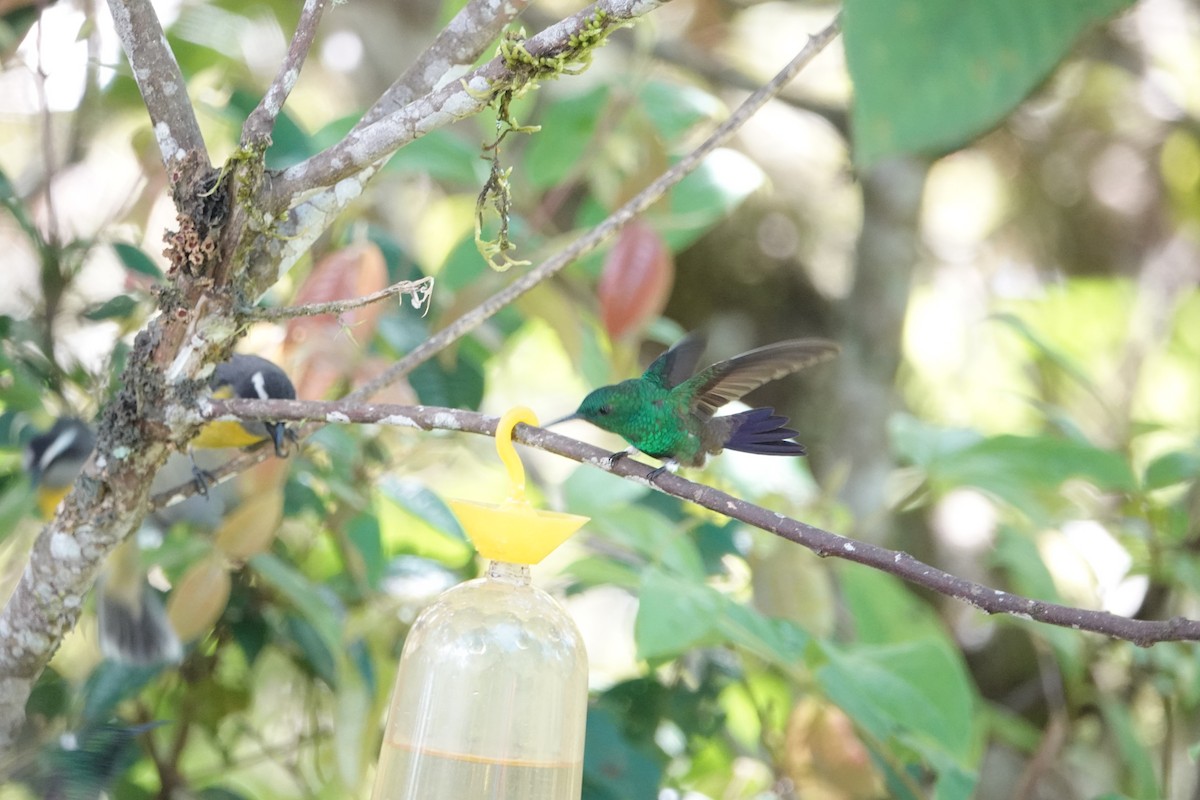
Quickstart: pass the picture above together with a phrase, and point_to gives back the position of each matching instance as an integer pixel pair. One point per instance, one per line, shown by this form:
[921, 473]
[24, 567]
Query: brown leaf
[199, 598]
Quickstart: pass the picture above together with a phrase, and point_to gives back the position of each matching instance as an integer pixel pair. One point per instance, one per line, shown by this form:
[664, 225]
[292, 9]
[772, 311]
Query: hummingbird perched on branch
[668, 413]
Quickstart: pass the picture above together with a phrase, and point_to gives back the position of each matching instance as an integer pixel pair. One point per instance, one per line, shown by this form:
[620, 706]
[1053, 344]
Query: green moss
[525, 70]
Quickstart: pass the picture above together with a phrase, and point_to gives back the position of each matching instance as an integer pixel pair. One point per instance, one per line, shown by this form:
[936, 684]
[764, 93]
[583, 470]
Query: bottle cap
[514, 531]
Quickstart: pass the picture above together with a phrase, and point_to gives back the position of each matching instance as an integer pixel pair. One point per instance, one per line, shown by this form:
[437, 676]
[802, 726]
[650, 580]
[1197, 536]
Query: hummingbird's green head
[611, 407]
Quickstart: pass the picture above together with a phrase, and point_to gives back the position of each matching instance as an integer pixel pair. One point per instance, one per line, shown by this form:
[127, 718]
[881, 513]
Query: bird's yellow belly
[226, 434]
[48, 499]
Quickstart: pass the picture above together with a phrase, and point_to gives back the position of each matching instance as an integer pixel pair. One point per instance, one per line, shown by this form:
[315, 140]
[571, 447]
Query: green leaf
[674, 109]
[1024, 470]
[117, 307]
[318, 655]
[443, 156]
[459, 386]
[778, 641]
[594, 493]
[922, 443]
[603, 571]
[363, 533]
[919, 690]
[674, 615]
[463, 266]
[708, 195]
[954, 782]
[416, 499]
[219, 793]
[929, 75]
[882, 609]
[415, 521]
[302, 594]
[654, 536]
[352, 717]
[567, 129]
[136, 261]
[613, 769]
[1171, 468]
[1139, 765]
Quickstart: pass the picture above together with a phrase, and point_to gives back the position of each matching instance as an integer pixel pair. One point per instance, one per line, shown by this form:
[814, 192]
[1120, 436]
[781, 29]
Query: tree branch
[363, 147]
[825, 544]
[451, 54]
[257, 130]
[160, 82]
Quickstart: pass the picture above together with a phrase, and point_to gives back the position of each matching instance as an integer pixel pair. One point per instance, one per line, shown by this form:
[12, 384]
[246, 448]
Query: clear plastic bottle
[490, 700]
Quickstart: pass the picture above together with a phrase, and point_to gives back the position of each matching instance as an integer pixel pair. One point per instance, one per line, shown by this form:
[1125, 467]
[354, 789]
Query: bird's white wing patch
[260, 385]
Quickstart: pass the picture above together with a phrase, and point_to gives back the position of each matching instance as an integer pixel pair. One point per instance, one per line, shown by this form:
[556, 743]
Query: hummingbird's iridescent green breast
[653, 419]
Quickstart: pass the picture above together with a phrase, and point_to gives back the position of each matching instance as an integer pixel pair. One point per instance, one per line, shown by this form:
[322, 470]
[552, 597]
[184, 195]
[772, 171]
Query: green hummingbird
[668, 413]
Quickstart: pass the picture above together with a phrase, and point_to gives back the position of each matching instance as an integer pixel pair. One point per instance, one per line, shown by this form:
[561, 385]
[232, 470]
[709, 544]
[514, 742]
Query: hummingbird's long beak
[278, 430]
[561, 419]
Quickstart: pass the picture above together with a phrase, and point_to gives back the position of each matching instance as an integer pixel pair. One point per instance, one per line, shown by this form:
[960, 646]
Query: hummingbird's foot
[611, 460]
[670, 465]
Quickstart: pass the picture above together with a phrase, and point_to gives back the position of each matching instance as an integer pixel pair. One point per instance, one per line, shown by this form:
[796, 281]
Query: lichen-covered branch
[257, 130]
[821, 542]
[159, 80]
[549, 53]
[450, 56]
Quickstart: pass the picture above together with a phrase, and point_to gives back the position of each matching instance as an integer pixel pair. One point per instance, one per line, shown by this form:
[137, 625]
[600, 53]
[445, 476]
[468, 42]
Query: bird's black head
[256, 378]
[55, 457]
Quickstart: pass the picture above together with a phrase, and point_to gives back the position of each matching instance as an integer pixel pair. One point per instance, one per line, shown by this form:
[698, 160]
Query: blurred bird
[133, 626]
[53, 460]
[80, 765]
[668, 413]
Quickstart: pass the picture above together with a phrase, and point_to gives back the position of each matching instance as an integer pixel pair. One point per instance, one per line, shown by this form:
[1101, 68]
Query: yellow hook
[514, 531]
[508, 452]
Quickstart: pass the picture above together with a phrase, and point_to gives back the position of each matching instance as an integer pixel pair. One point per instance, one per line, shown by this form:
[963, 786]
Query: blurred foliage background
[1006, 247]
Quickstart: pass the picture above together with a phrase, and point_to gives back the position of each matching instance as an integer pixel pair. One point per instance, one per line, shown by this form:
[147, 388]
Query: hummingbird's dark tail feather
[761, 431]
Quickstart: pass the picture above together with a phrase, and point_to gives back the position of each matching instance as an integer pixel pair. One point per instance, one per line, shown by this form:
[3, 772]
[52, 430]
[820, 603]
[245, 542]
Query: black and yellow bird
[53, 459]
[252, 378]
[133, 626]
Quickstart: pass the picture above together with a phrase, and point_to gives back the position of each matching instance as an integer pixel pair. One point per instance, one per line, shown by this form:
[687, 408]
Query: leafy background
[992, 206]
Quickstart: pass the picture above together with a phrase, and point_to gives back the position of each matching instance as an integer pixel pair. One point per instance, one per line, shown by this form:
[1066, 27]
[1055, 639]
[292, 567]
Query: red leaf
[636, 280]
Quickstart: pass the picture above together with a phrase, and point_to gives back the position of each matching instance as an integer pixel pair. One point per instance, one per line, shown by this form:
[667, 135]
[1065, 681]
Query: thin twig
[821, 542]
[257, 130]
[159, 80]
[420, 291]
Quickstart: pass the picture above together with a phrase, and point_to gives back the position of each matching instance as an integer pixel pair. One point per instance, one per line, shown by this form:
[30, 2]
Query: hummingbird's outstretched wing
[729, 380]
[677, 364]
